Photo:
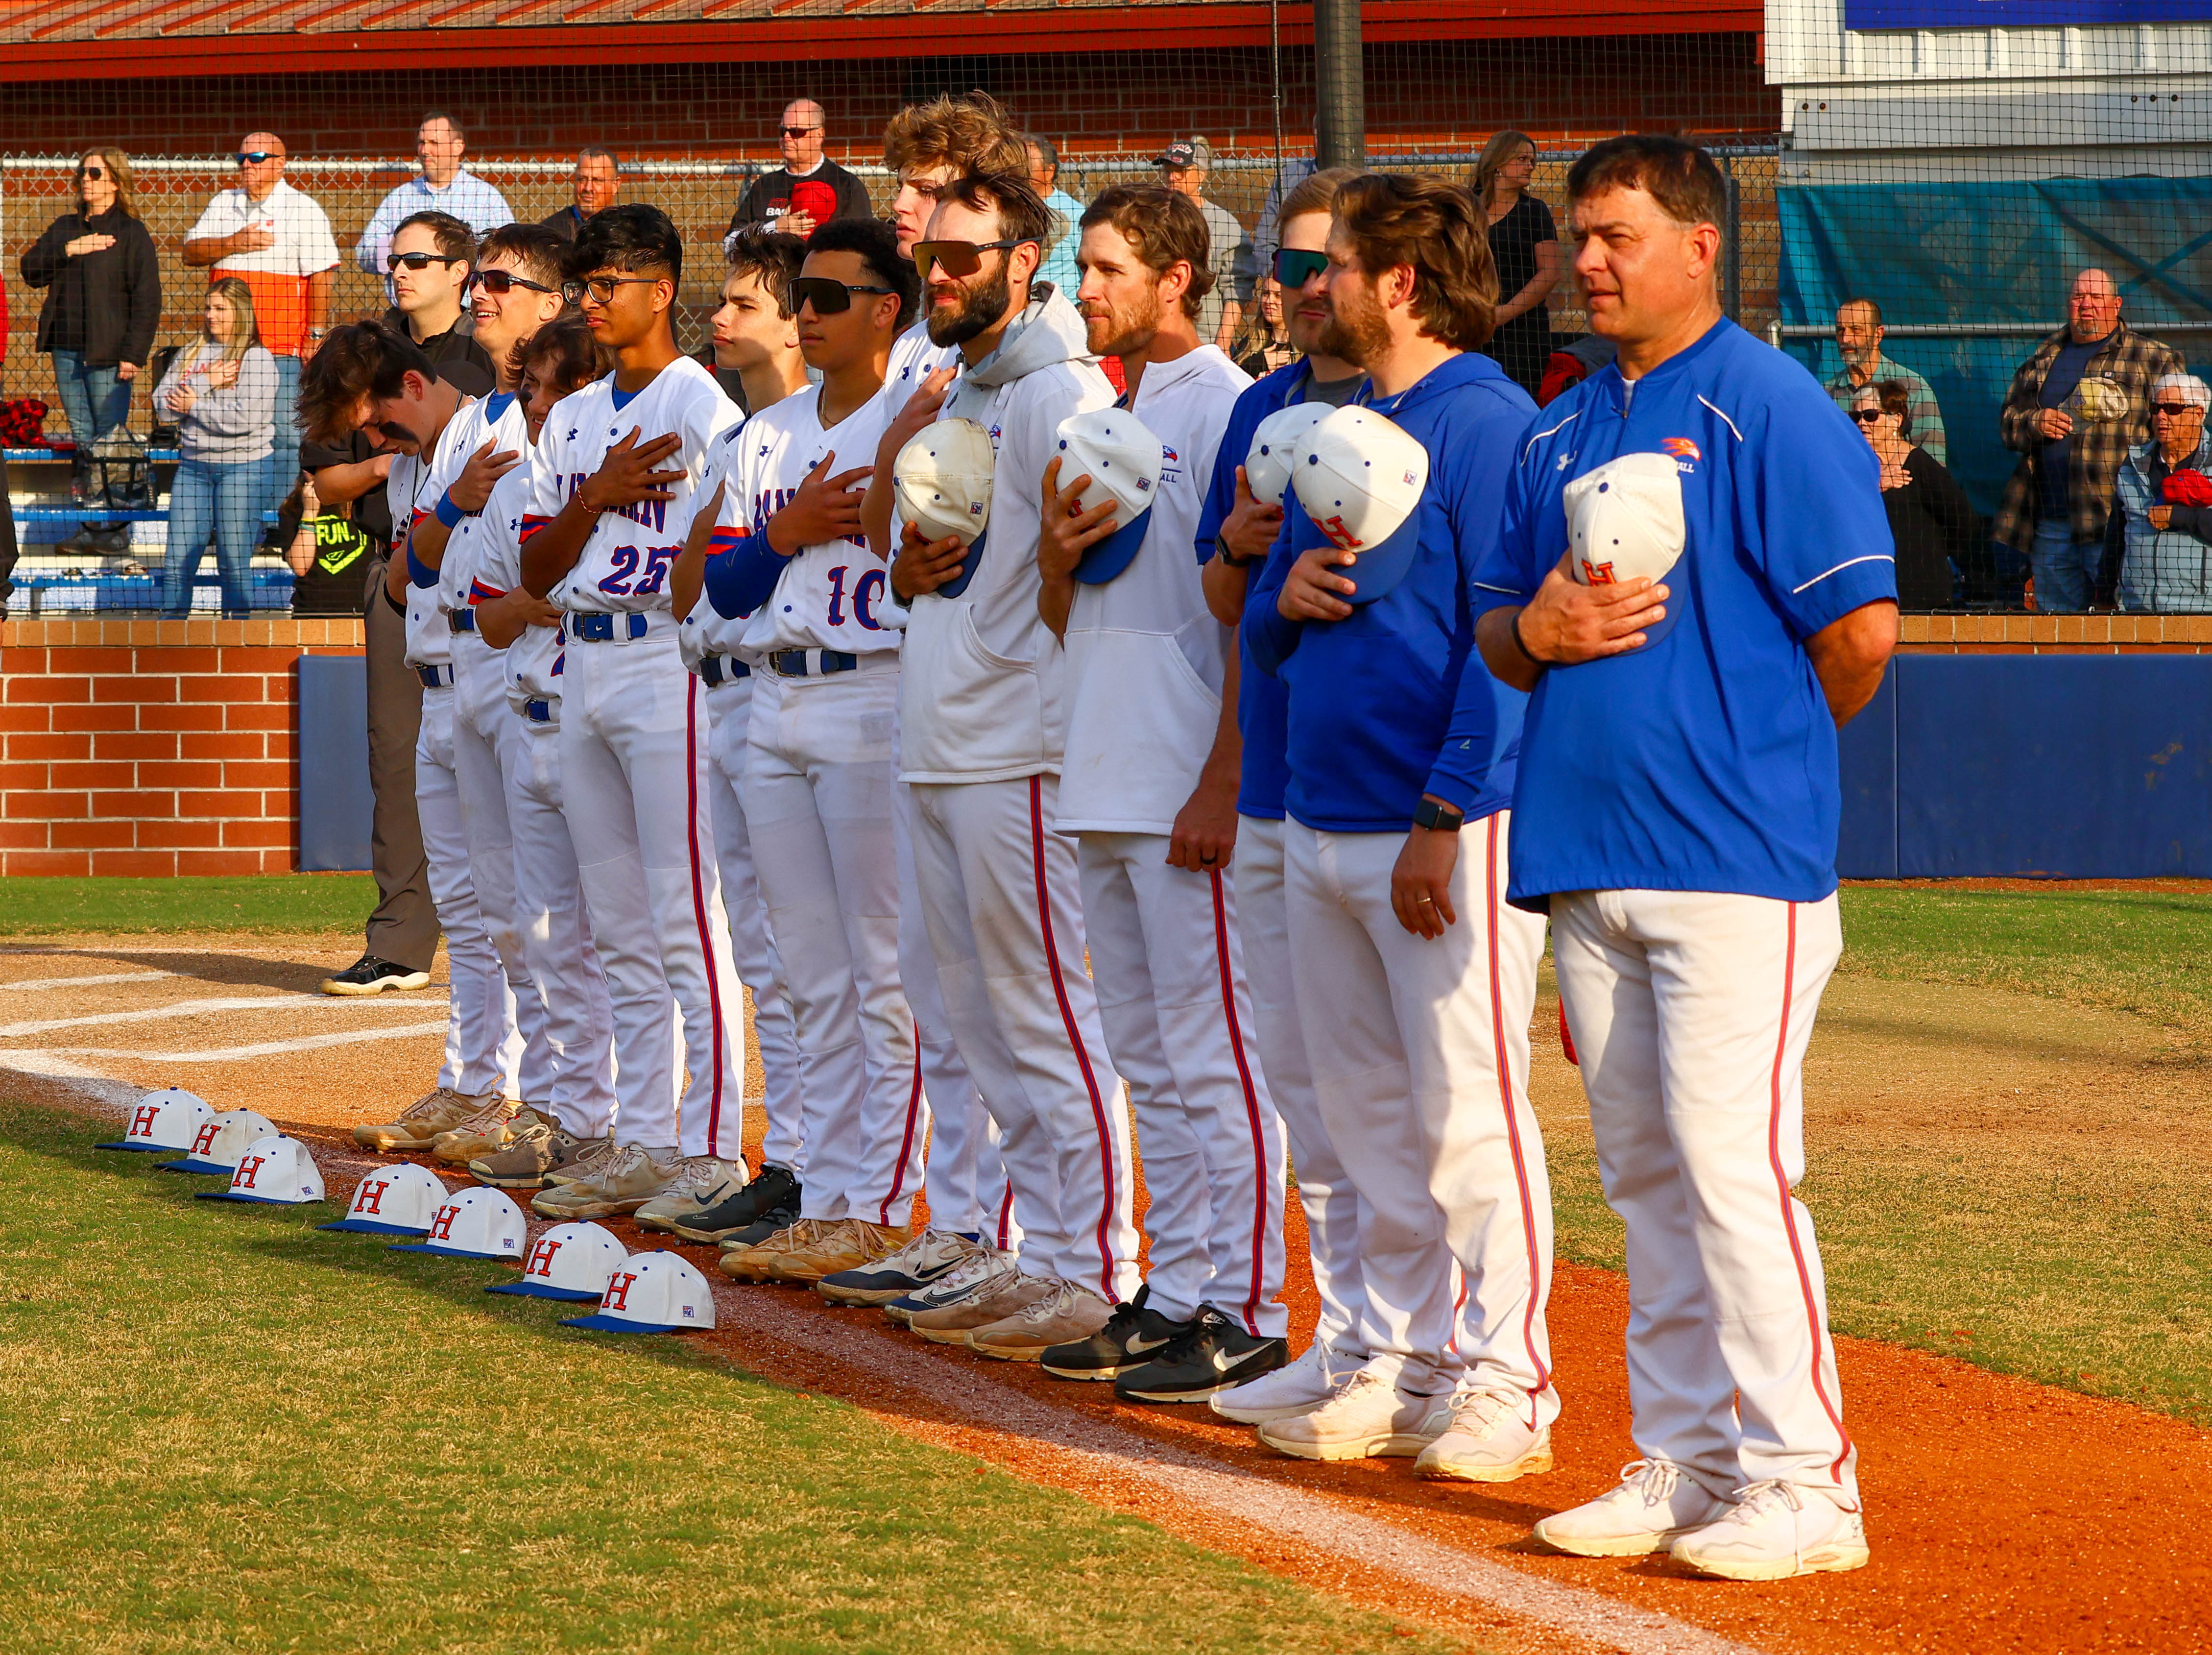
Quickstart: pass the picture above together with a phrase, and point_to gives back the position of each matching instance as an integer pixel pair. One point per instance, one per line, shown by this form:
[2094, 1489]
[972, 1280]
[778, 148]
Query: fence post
[1732, 296]
[1340, 115]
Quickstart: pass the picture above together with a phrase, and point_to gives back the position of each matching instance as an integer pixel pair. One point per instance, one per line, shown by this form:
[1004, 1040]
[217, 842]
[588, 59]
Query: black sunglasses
[602, 287]
[501, 282]
[255, 157]
[799, 132]
[419, 260]
[90, 172]
[2175, 410]
[827, 297]
[960, 259]
[1295, 267]
[1866, 415]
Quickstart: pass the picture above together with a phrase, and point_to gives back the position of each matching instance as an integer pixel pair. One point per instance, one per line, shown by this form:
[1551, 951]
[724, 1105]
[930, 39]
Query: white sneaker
[1655, 1503]
[1366, 1416]
[1296, 1387]
[1483, 1439]
[702, 1182]
[1776, 1530]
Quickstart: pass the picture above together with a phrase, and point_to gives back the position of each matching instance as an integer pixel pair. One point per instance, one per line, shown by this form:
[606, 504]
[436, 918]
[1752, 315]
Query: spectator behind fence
[278, 242]
[223, 397]
[431, 256]
[1938, 533]
[1524, 245]
[1184, 166]
[442, 185]
[327, 550]
[103, 302]
[1263, 343]
[808, 189]
[596, 182]
[2165, 495]
[1059, 266]
[1859, 334]
[2075, 407]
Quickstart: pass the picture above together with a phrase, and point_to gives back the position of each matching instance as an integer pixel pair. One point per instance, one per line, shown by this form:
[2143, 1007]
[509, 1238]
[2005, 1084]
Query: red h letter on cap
[441, 1222]
[369, 1198]
[205, 1141]
[617, 1293]
[541, 1257]
[142, 1122]
[247, 1171]
[1597, 574]
[1338, 534]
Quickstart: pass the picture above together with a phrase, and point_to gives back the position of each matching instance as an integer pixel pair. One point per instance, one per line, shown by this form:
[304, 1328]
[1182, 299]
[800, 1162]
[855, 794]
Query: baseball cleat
[983, 1273]
[1218, 1354]
[1776, 1531]
[370, 976]
[752, 1263]
[482, 1133]
[1367, 1418]
[1133, 1334]
[930, 1257]
[1654, 1504]
[772, 1191]
[530, 1157]
[1483, 1439]
[703, 1183]
[420, 1123]
[591, 1160]
[1295, 1388]
[1063, 1315]
[1006, 1291]
[847, 1244]
[633, 1176]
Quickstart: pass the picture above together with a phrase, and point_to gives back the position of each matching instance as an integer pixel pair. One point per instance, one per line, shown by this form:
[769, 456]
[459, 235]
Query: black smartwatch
[1228, 557]
[1431, 814]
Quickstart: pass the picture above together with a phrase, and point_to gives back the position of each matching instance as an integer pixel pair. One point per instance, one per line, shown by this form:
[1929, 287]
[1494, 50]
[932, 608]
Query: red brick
[95, 835]
[219, 804]
[243, 658]
[180, 773]
[134, 864]
[137, 745]
[25, 835]
[21, 715]
[29, 774]
[218, 687]
[229, 744]
[34, 744]
[257, 773]
[47, 688]
[44, 806]
[32, 864]
[93, 773]
[135, 690]
[28, 658]
[265, 716]
[140, 804]
[182, 716]
[81, 661]
[193, 862]
[155, 659]
[260, 833]
[90, 716]
[155, 836]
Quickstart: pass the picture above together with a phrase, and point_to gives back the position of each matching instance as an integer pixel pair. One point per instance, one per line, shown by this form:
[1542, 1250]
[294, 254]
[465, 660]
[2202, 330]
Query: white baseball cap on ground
[652, 1292]
[942, 480]
[1625, 519]
[399, 1200]
[1122, 458]
[220, 1140]
[478, 1222]
[167, 1119]
[274, 1171]
[1360, 478]
[1274, 447]
[570, 1262]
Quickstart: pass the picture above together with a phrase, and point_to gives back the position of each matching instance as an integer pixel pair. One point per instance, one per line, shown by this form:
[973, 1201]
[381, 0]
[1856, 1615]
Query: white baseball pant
[1169, 974]
[634, 775]
[729, 712]
[1691, 1012]
[481, 1047]
[557, 933]
[820, 796]
[1420, 1058]
[999, 893]
[1325, 1194]
[481, 721]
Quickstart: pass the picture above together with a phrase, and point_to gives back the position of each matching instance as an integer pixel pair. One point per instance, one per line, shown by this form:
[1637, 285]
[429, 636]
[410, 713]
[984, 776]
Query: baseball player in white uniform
[1676, 811]
[980, 732]
[616, 460]
[1148, 786]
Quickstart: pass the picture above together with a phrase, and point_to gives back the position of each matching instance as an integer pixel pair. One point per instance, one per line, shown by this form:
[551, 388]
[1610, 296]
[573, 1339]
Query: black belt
[600, 629]
[792, 663]
[719, 670]
[435, 677]
[537, 712]
[461, 620]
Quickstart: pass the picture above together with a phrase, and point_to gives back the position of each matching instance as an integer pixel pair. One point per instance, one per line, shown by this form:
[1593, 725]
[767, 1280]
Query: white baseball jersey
[981, 699]
[703, 632]
[623, 567]
[500, 421]
[1145, 659]
[532, 664]
[414, 488]
[914, 358]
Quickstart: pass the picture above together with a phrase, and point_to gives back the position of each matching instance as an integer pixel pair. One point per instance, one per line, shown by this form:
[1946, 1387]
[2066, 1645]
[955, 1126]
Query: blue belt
[600, 629]
[461, 620]
[537, 712]
[435, 677]
[792, 663]
[719, 670]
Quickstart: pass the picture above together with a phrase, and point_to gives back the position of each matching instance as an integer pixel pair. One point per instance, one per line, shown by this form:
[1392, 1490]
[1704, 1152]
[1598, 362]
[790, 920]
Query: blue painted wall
[335, 801]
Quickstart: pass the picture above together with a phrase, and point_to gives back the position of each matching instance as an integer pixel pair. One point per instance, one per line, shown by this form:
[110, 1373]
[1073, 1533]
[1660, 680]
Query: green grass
[221, 1430]
[266, 903]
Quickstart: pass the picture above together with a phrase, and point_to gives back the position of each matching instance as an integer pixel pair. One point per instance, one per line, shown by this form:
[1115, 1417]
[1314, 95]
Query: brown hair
[972, 131]
[537, 251]
[1315, 192]
[1896, 399]
[1495, 153]
[1678, 175]
[1021, 212]
[773, 258]
[453, 239]
[582, 358]
[119, 169]
[1860, 299]
[245, 332]
[359, 359]
[1393, 218]
[1161, 226]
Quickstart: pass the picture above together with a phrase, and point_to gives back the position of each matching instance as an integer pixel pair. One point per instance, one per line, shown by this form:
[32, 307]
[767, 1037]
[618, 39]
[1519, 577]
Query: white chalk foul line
[189, 1008]
[30, 983]
[238, 1054]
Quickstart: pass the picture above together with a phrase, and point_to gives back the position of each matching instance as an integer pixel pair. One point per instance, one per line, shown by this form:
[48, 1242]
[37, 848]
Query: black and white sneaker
[1132, 1336]
[1215, 1354]
[771, 1192]
[370, 976]
[929, 1256]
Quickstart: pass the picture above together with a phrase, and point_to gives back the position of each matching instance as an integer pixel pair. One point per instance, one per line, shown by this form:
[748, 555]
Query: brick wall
[153, 747]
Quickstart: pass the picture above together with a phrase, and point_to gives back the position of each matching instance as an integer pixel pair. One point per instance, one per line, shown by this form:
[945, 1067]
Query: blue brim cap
[141, 1149]
[1109, 558]
[1382, 566]
[214, 1169]
[617, 1324]
[958, 583]
[443, 1253]
[258, 1200]
[370, 1226]
[539, 1290]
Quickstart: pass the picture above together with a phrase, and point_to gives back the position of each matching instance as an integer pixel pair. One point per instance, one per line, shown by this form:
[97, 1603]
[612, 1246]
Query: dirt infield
[2004, 1516]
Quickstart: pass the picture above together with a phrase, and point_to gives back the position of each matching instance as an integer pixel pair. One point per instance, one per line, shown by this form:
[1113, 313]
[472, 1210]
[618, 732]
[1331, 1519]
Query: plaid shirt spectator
[2131, 361]
[1926, 428]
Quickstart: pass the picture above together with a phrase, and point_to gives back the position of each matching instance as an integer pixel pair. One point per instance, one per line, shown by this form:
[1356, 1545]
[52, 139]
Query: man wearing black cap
[1183, 166]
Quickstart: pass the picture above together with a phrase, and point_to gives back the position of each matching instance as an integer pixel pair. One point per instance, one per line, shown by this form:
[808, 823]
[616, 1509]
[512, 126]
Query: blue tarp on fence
[335, 803]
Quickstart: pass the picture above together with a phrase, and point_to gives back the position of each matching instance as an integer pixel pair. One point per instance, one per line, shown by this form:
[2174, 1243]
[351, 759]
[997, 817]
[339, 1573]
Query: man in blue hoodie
[1415, 981]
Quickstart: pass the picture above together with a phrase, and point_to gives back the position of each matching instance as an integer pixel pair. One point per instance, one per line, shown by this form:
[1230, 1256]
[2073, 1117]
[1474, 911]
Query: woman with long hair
[1524, 245]
[1263, 338]
[103, 299]
[223, 396]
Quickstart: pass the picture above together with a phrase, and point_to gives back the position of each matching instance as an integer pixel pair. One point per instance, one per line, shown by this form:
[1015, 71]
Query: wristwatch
[1447, 818]
[1230, 559]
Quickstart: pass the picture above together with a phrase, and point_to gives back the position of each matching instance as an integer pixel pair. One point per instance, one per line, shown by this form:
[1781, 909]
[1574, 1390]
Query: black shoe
[1132, 1336]
[772, 1190]
[1216, 1354]
[737, 1241]
[370, 976]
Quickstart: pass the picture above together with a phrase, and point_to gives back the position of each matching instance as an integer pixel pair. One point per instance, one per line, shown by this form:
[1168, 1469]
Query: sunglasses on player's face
[2175, 410]
[255, 157]
[419, 260]
[958, 259]
[500, 282]
[827, 297]
[1294, 267]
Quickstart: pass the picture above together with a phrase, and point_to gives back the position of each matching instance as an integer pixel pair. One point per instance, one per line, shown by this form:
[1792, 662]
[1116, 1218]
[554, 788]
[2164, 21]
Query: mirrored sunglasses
[255, 157]
[959, 258]
[1295, 268]
[827, 297]
[417, 260]
[497, 282]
